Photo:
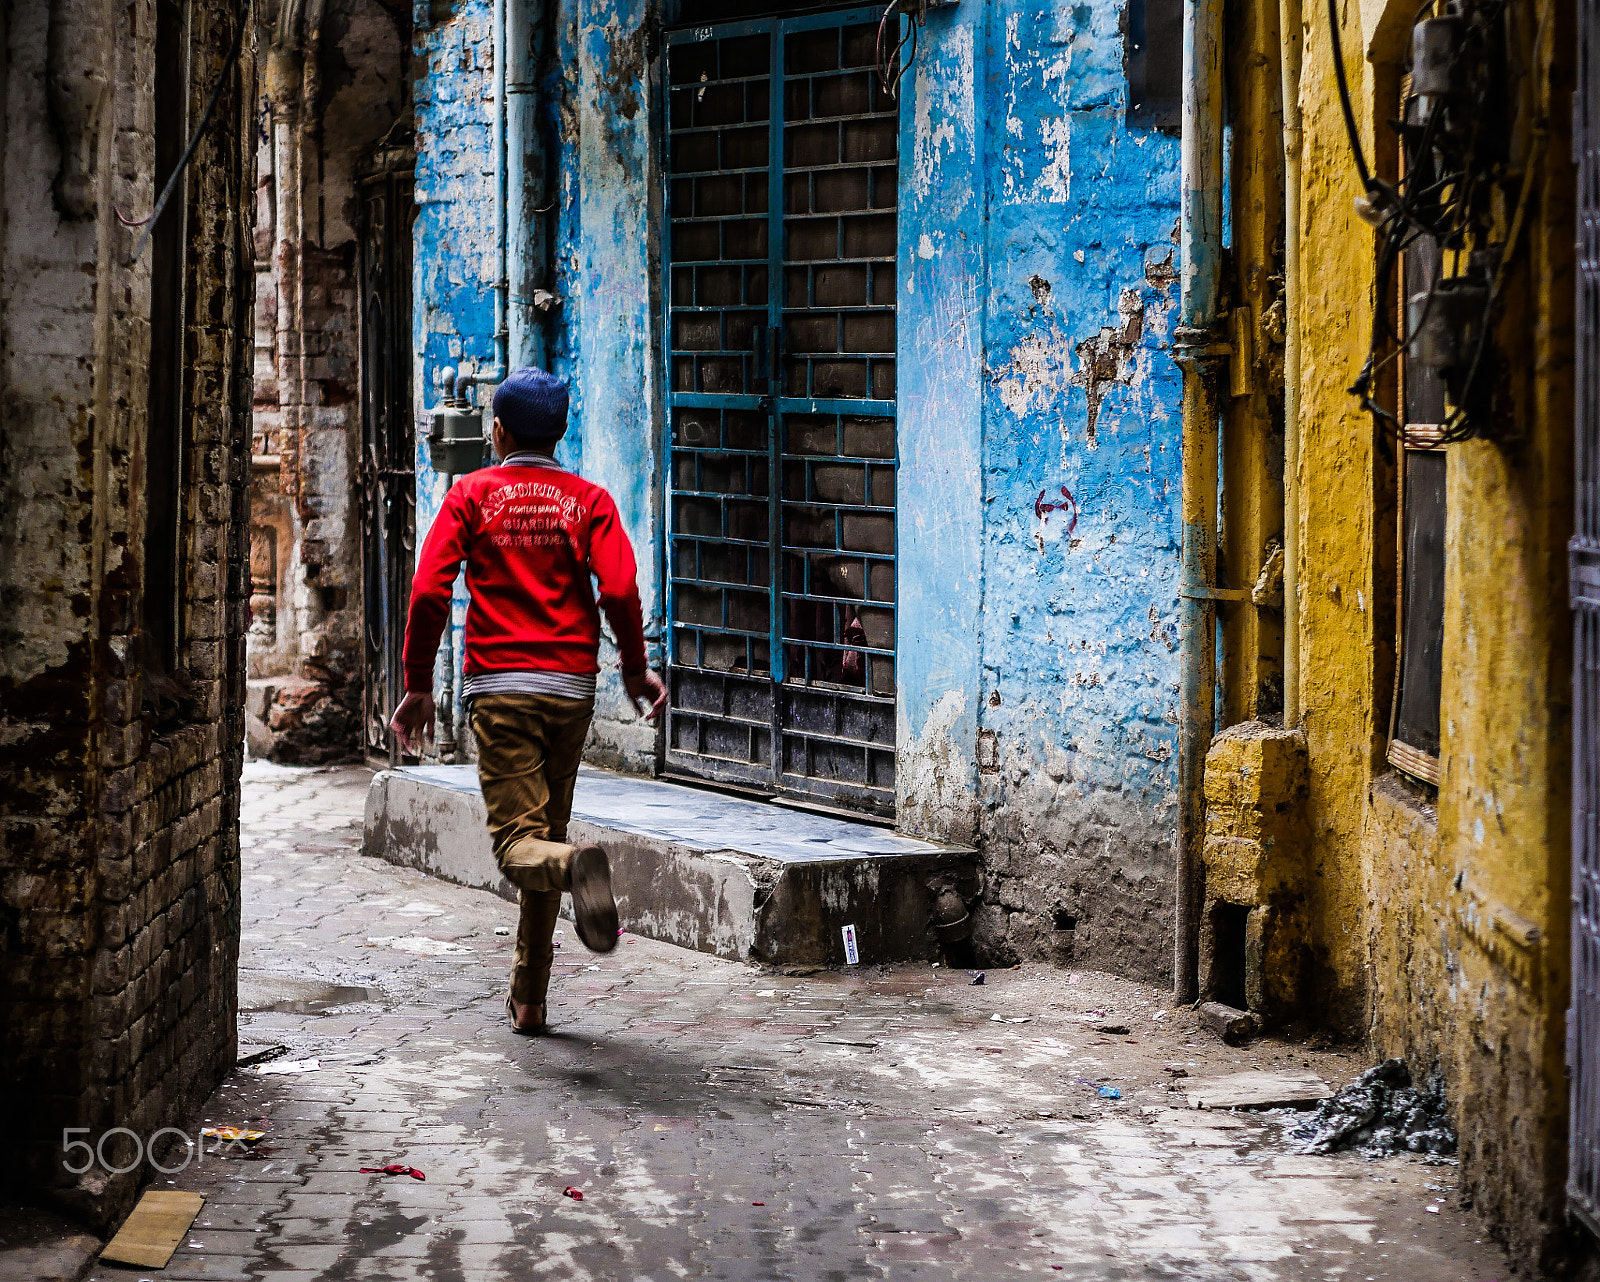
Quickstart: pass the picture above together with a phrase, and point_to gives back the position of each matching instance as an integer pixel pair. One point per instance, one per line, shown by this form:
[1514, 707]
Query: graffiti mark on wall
[1067, 504]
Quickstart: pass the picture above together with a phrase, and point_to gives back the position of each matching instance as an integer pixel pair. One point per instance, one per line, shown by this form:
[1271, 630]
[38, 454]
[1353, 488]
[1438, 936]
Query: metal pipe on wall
[526, 188]
[497, 148]
[501, 282]
[1197, 351]
[1291, 36]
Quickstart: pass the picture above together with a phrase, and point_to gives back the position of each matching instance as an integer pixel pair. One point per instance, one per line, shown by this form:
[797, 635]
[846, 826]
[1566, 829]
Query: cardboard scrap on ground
[1259, 1089]
[151, 1234]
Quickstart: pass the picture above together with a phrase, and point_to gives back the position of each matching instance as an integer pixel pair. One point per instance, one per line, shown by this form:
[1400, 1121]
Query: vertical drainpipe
[497, 147]
[1197, 352]
[1289, 24]
[525, 185]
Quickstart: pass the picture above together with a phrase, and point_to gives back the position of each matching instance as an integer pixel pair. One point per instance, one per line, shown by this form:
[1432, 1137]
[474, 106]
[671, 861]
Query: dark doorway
[388, 449]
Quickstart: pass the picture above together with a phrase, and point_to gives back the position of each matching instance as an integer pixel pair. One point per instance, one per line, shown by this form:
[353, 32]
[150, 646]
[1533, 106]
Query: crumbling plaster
[334, 89]
[1038, 608]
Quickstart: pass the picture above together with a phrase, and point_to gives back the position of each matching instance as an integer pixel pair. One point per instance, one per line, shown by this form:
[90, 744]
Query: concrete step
[743, 879]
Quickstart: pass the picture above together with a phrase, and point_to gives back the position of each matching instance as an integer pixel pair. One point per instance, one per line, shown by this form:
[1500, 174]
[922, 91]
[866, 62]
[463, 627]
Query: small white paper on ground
[421, 945]
[288, 1066]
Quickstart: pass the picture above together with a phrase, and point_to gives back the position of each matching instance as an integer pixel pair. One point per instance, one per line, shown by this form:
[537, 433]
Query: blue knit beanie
[532, 406]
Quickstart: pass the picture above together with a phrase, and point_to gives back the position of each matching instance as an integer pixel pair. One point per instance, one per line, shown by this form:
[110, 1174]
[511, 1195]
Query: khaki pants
[529, 746]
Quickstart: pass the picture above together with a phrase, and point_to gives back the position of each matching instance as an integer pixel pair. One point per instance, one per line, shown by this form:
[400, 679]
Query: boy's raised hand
[413, 720]
[646, 690]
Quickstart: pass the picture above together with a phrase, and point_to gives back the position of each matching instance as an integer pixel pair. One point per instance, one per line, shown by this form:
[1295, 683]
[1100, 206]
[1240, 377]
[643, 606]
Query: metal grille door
[1583, 1026]
[782, 165]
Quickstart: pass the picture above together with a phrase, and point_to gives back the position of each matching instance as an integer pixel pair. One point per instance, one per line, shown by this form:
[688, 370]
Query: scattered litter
[1071, 979]
[261, 1056]
[419, 945]
[758, 1204]
[978, 978]
[852, 957]
[768, 992]
[502, 930]
[619, 932]
[1259, 1089]
[1109, 1092]
[1381, 1113]
[1431, 1210]
[575, 1194]
[233, 1135]
[394, 1169]
[1177, 1070]
[1014, 1019]
[288, 1066]
[1114, 1030]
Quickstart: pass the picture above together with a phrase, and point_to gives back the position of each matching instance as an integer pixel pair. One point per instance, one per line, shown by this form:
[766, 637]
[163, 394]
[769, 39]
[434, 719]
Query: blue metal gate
[782, 150]
[1583, 1020]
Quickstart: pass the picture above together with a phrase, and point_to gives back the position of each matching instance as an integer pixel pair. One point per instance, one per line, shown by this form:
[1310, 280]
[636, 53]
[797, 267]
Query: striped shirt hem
[564, 685]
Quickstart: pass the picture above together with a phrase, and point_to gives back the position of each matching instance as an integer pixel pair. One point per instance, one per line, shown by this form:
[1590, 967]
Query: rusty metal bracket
[1195, 346]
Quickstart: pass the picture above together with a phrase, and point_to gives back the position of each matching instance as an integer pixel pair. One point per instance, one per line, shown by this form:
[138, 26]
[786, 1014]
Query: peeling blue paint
[1040, 432]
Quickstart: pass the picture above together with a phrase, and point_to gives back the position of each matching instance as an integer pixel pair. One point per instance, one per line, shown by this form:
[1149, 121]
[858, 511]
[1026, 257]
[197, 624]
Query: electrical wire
[149, 223]
[1344, 97]
[1443, 197]
[893, 65]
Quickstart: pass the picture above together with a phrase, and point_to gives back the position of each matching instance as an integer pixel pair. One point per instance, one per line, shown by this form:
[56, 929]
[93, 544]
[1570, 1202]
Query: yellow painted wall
[1441, 931]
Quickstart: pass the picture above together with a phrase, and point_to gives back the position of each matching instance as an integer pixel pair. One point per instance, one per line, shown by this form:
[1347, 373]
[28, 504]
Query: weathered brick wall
[118, 839]
[331, 93]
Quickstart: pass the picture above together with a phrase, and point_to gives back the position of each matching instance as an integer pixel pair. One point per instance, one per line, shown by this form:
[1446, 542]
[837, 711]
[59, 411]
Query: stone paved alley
[729, 1122]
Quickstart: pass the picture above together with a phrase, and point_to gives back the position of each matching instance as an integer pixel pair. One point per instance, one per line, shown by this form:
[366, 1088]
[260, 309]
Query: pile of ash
[1381, 1113]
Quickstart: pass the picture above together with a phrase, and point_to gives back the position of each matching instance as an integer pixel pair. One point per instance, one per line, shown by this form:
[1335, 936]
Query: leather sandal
[594, 908]
[527, 1030]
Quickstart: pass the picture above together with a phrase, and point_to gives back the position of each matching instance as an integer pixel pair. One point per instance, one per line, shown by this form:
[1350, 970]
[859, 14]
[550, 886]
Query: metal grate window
[781, 341]
[1419, 670]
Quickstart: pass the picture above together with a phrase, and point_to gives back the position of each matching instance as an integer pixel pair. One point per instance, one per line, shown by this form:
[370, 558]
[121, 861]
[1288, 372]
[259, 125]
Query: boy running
[531, 534]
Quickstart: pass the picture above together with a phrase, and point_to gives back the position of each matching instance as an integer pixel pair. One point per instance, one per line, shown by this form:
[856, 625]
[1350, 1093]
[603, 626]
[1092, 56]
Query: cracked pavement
[728, 1121]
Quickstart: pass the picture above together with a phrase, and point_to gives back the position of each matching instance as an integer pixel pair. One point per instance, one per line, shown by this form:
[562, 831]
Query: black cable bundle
[1456, 152]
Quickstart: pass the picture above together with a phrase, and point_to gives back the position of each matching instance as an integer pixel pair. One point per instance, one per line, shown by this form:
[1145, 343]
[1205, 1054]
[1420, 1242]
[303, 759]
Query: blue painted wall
[1039, 426]
[453, 241]
[1040, 433]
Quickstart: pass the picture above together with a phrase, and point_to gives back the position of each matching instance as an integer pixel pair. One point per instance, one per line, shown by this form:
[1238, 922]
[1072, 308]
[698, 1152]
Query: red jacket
[531, 536]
